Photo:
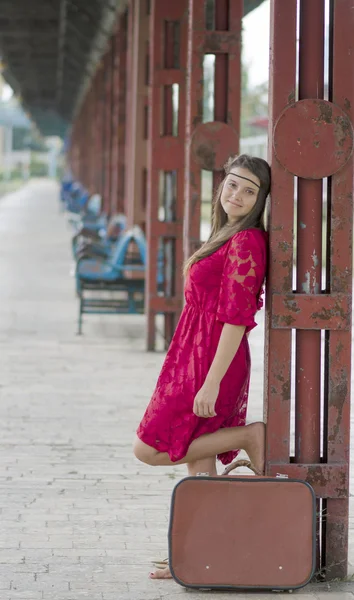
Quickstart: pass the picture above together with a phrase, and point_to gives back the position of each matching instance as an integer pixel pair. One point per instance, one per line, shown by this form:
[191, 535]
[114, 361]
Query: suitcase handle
[240, 463]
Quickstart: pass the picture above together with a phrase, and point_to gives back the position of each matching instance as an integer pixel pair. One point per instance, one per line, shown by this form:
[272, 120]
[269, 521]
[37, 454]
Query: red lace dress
[224, 287]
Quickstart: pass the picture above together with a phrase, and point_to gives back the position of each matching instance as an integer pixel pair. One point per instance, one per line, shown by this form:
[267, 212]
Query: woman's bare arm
[228, 345]
[229, 342]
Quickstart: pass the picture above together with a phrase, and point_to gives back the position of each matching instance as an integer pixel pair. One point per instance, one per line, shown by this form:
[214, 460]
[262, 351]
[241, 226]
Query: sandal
[160, 564]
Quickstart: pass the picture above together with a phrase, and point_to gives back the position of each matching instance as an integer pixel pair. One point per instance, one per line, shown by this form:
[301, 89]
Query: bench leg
[79, 331]
[131, 304]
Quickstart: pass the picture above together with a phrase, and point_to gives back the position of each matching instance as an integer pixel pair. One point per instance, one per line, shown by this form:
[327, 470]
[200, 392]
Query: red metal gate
[311, 138]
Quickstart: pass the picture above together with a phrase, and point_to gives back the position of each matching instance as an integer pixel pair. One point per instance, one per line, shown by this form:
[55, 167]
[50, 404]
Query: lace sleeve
[242, 278]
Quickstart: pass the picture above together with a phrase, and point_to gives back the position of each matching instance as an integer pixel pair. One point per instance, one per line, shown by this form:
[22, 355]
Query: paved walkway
[79, 517]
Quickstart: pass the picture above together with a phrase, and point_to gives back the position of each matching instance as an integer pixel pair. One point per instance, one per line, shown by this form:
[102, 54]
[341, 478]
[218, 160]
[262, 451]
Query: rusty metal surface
[277, 385]
[313, 138]
[320, 311]
[212, 144]
[328, 481]
[309, 230]
[305, 131]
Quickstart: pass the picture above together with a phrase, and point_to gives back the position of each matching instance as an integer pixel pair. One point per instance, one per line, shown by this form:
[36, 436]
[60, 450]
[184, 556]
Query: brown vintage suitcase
[246, 532]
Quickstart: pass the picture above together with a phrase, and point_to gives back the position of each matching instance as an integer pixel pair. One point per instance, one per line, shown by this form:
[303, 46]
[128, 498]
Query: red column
[73, 151]
[84, 120]
[99, 129]
[168, 57]
[82, 133]
[93, 134]
[311, 138]
[136, 133]
[119, 116]
[108, 105]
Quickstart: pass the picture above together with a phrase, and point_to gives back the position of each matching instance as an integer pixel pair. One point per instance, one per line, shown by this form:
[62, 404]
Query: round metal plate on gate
[212, 144]
[313, 139]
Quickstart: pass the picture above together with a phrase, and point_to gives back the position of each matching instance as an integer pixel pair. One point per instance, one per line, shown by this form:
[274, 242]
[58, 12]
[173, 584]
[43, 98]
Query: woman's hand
[205, 400]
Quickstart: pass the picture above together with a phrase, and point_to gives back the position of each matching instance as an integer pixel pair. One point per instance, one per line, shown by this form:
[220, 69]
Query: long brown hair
[221, 231]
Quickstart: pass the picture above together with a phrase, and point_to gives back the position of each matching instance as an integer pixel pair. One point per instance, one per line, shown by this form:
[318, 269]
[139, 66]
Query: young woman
[198, 409]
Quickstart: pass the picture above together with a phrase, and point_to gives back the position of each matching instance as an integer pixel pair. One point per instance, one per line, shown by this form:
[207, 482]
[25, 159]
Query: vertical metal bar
[98, 83]
[340, 250]
[137, 94]
[154, 132]
[277, 385]
[85, 134]
[128, 100]
[309, 253]
[194, 106]
[114, 119]
[78, 147]
[102, 130]
[72, 150]
[221, 65]
[168, 37]
[83, 141]
[92, 117]
[222, 15]
[328, 289]
[168, 131]
[122, 112]
[221, 76]
[108, 67]
[309, 246]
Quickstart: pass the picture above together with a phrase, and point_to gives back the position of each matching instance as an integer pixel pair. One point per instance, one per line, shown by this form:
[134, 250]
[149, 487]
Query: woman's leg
[205, 465]
[250, 438]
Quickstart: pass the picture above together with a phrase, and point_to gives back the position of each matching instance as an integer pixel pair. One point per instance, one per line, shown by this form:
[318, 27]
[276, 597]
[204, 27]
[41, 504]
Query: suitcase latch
[282, 476]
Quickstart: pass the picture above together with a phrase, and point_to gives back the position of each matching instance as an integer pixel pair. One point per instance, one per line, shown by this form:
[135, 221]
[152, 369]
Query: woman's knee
[143, 452]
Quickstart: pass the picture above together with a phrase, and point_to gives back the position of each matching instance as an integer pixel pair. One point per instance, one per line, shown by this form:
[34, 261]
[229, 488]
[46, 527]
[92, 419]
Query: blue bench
[97, 276]
[84, 210]
[73, 196]
[89, 242]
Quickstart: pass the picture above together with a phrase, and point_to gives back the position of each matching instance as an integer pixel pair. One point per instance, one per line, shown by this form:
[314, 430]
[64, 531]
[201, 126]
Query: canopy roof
[50, 50]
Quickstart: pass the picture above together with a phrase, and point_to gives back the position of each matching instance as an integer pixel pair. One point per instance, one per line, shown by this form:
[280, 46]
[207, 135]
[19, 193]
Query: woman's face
[239, 194]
